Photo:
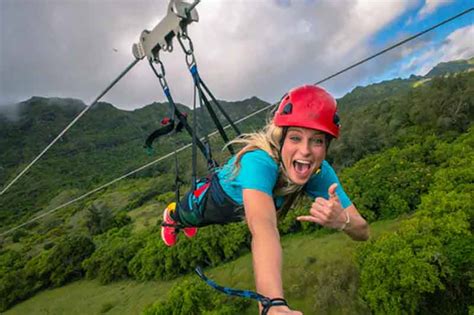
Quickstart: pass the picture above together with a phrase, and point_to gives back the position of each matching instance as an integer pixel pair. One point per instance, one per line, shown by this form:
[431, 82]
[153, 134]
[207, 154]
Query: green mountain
[365, 96]
[104, 144]
[446, 68]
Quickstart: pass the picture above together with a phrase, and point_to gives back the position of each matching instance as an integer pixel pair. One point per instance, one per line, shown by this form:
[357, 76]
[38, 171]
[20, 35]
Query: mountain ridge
[443, 68]
[113, 138]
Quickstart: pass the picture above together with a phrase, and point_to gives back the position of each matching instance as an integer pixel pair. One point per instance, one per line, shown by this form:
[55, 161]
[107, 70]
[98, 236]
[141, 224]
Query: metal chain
[189, 52]
[162, 79]
[164, 85]
[161, 73]
[161, 76]
[188, 49]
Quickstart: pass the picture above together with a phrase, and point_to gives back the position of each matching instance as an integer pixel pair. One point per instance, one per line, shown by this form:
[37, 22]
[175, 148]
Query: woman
[264, 178]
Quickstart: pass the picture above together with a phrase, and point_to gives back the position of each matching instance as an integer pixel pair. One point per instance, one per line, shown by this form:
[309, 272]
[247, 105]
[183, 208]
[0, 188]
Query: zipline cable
[238, 121]
[69, 126]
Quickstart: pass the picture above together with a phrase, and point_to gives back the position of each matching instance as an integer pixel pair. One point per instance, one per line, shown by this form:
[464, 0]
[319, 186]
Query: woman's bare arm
[261, 218]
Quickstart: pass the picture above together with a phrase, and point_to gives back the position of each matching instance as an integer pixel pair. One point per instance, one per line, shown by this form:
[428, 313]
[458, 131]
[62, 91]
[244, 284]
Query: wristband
[267, 303]
[348, 220]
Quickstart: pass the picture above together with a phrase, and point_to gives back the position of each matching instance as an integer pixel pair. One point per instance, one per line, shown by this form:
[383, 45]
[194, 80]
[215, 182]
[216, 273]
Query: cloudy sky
[244, 48]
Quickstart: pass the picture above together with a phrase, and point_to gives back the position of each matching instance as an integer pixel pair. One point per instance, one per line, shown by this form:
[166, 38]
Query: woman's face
[303, 152]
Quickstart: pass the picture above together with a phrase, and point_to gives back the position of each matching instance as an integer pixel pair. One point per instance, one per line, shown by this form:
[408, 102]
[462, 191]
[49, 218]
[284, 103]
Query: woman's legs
[187, 216]
[170, 226]
[208, 204]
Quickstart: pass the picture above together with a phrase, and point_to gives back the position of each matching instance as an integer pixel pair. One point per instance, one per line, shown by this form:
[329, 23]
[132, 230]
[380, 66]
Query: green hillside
[405, 157]
[317, 255]
[105, 144]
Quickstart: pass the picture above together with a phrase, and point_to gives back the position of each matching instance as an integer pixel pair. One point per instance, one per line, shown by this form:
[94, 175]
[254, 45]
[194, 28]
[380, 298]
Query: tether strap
[266, 302]
[214, 100]
[210, 110]
[202, 88]
[175, 112]
[183, 123]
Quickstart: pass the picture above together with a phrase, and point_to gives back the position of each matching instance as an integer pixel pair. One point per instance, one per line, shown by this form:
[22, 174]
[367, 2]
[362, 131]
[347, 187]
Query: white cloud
[457, 45]
[364, 20]
[264, 49]
[243, 47]
[430, 6]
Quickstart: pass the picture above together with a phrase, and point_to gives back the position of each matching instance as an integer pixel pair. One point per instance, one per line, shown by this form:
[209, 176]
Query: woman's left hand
[326, 212]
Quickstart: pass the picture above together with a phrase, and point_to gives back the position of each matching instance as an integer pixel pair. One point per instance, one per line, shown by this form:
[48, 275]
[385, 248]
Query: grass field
[319, 277]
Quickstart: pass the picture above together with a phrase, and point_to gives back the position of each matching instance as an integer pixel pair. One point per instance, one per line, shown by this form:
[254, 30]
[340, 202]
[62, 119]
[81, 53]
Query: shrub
[395, 271]
[157, 187]
[54, 267]
[331, 287]
[18, 235]
[426, 267]
[62, 263]
[110, 260]
[289, 224]
[12, 286]
[389, 184]
[212, 245]
[100, 219]
[195, 297]
[166, 197]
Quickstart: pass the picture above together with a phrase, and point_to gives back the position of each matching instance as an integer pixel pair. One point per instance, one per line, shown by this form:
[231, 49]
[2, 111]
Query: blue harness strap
[265, 301]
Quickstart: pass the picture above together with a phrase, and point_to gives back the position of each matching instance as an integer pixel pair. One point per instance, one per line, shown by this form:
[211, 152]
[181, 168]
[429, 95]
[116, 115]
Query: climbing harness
[180, 15]
[266, 302]
[151, 43]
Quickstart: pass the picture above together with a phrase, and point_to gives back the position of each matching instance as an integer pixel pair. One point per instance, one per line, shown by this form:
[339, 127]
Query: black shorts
[215, 206]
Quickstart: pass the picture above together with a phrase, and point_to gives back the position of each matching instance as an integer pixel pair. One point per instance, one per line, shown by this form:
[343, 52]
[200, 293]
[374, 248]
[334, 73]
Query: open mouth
[302, 167]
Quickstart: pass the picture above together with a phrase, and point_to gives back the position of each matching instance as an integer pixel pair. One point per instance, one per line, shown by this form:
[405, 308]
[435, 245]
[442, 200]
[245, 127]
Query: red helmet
[308, 106]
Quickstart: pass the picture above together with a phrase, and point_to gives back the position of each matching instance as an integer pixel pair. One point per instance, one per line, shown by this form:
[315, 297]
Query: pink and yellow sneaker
[169, 228]
[169, 232]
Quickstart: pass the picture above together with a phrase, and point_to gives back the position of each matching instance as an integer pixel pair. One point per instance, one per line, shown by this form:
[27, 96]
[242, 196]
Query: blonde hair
[269, 139]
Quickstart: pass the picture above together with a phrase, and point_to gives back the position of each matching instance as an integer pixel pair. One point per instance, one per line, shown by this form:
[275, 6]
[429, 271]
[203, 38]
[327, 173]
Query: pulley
[179, 15]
